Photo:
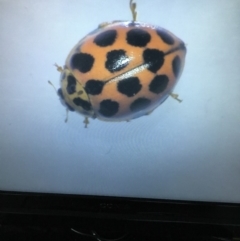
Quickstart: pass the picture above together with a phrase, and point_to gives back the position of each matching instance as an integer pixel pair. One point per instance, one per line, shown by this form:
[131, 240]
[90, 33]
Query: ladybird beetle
[122, 70]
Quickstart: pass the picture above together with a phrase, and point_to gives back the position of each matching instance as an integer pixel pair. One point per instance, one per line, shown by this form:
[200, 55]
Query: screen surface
[186, 151]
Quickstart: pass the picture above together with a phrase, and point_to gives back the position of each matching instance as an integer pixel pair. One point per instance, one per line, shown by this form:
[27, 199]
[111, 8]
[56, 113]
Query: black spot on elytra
[71, 84]
[106, 38]
[82, 103]
[83, 62]
[116, 60]
[176, 65]
[140, 104]
[154, 58]
[108, 108]
[159, 84]
[94, 87]
[129, 86]
[138, 37]
[165, 36]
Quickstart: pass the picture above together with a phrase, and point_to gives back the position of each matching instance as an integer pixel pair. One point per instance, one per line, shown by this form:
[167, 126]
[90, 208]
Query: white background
[188, 151]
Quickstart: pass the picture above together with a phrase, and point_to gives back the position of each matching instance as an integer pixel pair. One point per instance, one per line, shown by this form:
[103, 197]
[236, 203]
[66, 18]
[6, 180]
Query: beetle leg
[133, 7]
[86, 121]
[105, 24]
[175, 96]
[59, 68]
[66, 119]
